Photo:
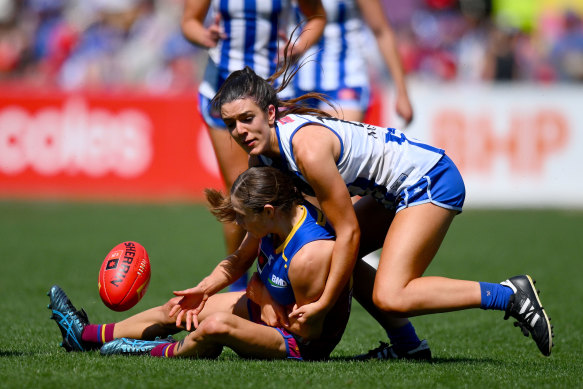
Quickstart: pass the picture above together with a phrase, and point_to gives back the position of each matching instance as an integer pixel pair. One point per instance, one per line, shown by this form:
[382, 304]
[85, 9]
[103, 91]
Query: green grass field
[46, 243]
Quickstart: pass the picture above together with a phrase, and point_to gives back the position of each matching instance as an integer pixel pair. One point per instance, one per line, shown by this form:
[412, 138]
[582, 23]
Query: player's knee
[391, 302]
[216, 325]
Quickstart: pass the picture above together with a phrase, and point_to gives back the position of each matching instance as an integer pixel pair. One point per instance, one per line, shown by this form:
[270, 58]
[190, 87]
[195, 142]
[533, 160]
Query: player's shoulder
[312, 256]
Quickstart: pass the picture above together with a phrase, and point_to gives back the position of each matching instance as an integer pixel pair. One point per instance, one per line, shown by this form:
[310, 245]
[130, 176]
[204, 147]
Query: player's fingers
[201, 305]
[214, 31]
[296, 313]
[188, 320]
[179, 319]
[174, 310]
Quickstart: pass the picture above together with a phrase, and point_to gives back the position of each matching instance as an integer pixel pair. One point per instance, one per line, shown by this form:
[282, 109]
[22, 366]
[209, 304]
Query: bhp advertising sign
[515, 145]
[104, 147]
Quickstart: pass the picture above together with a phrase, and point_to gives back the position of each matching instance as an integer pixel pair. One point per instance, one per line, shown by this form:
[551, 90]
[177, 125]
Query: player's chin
[252, 147]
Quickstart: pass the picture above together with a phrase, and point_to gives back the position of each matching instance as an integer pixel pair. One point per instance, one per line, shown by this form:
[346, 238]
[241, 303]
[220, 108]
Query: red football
[124, 276]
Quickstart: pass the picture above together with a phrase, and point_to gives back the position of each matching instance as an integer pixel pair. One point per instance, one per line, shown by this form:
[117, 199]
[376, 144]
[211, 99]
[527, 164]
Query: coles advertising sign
[125, 147]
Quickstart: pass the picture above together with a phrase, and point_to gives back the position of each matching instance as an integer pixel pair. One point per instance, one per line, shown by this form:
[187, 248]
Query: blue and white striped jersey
[251, 27]
[337, 61]
[373, 160]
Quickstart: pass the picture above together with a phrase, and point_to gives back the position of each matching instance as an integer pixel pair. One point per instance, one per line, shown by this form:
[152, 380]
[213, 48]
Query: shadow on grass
[16, 354]
[466, 360]
[433, 361]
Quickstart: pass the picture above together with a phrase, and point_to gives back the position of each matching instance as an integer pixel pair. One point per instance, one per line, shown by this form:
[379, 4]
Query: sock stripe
[169, 350]
[102, 330]
[165, 350]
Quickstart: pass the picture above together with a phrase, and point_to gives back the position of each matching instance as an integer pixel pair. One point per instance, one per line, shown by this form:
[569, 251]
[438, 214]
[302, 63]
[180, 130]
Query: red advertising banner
[103, 146]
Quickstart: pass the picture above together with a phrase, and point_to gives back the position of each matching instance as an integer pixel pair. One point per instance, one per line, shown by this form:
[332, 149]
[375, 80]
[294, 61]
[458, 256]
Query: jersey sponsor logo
[277, 282]
[285, 120]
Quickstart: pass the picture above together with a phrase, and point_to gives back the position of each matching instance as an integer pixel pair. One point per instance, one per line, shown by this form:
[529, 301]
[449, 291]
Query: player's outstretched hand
[191, 304]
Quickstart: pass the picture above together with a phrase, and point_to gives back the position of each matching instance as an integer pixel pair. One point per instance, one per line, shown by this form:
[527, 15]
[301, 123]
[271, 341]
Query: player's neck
[287, 224]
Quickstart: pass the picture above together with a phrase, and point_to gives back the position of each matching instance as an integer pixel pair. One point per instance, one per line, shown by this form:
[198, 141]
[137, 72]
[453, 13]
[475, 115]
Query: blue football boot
[71, 322]
[127, 346]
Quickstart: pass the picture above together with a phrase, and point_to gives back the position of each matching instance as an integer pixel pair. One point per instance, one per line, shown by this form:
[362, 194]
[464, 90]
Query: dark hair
[255, 188]
[245, 83]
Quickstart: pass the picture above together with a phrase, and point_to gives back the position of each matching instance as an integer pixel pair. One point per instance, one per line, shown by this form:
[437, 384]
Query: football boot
[127, 346]
[386, 351]
[71, 322]
[525, 306]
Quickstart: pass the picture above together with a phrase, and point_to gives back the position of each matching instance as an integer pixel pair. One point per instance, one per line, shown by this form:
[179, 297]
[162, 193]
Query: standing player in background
[242, 33]
[337, 65]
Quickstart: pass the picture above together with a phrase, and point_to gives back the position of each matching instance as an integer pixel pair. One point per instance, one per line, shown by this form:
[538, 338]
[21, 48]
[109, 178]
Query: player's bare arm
[308, 273]
[312, 31]
[228, 270]
[316, 150]
[373, 14]
[193, 28]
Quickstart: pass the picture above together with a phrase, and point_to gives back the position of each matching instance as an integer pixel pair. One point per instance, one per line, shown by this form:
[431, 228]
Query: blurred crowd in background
[121, 44]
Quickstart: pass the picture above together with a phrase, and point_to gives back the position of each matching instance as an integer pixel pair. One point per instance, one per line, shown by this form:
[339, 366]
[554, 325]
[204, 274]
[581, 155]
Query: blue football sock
[495, 296]
[404, 338]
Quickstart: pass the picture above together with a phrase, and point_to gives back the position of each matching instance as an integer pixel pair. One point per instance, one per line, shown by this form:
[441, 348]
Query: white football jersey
[252, 28]
[373, 160]
[337, 61]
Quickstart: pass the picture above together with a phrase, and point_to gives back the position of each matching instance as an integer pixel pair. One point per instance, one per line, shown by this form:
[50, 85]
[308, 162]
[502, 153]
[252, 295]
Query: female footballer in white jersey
[337, 67]
[242, 33]
[411, 193]
[292, 243]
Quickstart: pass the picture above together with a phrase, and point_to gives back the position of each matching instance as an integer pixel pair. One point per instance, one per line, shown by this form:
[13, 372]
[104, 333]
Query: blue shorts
[211, 117]
[442, 185]
[357, 98]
